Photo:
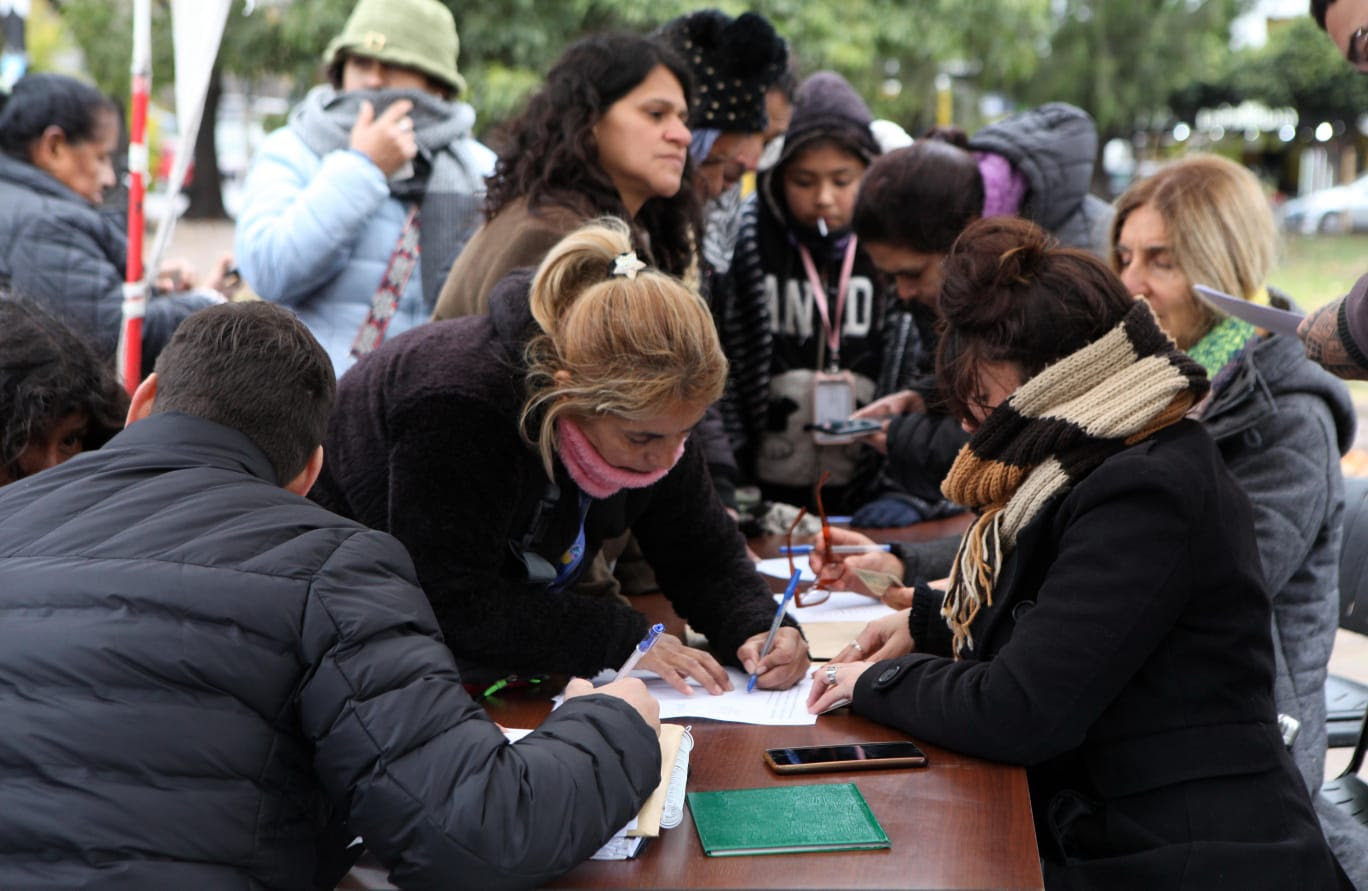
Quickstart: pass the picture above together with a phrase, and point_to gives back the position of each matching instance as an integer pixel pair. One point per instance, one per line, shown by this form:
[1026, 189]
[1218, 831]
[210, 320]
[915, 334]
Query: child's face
[822, 182]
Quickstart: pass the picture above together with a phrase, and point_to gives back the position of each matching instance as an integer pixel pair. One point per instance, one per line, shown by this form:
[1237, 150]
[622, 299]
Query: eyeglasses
[1357, 51]
[817, 592]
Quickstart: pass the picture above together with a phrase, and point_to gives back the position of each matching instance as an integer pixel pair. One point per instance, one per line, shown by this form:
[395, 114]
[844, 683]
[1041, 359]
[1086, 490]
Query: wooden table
[960, 822]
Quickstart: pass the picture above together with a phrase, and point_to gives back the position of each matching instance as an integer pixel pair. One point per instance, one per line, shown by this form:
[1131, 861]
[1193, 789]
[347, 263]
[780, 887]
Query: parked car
[1330, 211]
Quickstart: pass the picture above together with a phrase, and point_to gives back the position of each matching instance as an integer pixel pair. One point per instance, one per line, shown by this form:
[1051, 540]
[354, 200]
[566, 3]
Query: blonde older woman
[1280, 421]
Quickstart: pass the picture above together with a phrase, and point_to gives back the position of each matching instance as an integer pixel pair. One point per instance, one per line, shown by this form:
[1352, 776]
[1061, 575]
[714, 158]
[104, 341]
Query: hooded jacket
[1054, 147]
[1282, 424]
[424, 443]
[773, 332]
[202, 670]
[58, 249]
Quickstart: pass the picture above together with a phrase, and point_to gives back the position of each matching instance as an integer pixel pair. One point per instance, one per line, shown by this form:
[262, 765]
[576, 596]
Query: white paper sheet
[777, 567]
[775, 708]
[1270, 318]
[841, 606]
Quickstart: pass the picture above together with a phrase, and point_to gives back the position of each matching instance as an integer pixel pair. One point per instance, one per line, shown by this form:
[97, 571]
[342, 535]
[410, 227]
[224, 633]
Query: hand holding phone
[848, 427]
[852, 756]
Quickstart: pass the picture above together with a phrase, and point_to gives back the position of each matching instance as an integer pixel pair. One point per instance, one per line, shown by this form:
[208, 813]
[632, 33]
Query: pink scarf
[595, 476]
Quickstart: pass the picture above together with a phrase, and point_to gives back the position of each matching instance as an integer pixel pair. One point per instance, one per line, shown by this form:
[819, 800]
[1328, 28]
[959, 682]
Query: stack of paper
[664, 809]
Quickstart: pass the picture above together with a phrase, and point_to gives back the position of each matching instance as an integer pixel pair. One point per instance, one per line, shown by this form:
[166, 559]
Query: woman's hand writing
[785, 663]
[676, 663]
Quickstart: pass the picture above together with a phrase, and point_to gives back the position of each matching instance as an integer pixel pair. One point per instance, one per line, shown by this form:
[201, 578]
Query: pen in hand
[774, 627]
[640, 650]
[836, 549]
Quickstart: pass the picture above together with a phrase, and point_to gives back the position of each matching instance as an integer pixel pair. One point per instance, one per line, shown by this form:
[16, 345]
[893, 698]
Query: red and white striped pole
[135, 286]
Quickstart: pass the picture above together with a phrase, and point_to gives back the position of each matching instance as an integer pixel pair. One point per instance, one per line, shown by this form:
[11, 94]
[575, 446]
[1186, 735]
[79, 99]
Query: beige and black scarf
[1052, 432]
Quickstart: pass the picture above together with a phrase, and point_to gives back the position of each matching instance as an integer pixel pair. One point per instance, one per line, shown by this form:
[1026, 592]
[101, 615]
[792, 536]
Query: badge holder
[833, 399]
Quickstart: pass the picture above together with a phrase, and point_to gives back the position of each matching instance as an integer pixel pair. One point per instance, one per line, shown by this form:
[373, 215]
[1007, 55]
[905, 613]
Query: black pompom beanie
[734, 61]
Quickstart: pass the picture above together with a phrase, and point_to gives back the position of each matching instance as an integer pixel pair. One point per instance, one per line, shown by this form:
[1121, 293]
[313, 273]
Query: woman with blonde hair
[1280, 422]
[503, 449]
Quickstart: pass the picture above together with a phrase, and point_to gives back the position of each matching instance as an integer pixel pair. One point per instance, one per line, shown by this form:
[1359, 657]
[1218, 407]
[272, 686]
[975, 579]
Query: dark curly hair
[48, 371]
[548, 154]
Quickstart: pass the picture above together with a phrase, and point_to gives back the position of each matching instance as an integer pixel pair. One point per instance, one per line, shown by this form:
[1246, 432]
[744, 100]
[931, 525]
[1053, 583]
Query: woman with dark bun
[1106, 623]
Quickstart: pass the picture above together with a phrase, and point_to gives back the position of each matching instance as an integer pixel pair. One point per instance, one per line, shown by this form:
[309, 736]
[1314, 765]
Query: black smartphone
[848, 427]
[852, 756]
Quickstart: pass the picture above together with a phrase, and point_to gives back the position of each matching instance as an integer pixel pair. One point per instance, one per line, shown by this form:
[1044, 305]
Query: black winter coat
[424, 443]
[198, 666]
[921, 445]
[1125, 660]
[60, 251]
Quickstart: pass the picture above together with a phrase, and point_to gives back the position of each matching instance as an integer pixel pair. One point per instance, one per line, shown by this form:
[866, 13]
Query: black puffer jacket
[1054, 147]
[59, 250]
[198, 665]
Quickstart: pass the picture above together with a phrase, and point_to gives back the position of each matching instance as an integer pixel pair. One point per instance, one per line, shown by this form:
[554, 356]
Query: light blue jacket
[316, 234]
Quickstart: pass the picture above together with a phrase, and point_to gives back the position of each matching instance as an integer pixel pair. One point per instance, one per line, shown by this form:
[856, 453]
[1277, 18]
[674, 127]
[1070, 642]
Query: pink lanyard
[831, 324]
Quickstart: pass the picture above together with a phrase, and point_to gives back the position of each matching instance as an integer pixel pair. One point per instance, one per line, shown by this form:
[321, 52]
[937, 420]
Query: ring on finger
[831, 675]
[856, 644]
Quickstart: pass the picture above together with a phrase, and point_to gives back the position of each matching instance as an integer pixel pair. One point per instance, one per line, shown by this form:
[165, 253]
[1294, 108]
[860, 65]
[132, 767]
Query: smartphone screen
[848, 427]
[853, 756]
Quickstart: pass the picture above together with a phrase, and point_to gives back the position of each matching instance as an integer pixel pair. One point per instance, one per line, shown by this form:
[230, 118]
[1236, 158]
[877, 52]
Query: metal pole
[135, 288]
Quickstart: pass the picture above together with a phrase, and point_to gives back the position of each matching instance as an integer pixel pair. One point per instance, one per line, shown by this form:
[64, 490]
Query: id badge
[833, 399]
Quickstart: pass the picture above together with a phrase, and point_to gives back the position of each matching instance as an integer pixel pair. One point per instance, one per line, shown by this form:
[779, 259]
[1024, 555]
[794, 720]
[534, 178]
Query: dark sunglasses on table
[817, 592]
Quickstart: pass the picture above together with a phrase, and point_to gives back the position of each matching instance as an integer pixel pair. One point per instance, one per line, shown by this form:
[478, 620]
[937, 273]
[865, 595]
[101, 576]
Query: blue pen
[774, 626]
[836, 549]
[646, 643]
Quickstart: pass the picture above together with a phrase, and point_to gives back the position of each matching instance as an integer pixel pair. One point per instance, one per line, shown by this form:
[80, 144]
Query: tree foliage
[1121, 61]
[1300, 68]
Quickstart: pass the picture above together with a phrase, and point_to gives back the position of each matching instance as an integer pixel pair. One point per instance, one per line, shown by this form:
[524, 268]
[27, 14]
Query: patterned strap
[401, 264]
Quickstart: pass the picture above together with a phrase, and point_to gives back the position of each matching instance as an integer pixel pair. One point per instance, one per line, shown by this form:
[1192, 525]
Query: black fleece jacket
[424, 444]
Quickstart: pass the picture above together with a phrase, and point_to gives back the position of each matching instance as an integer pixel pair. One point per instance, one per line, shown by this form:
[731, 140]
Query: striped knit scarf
[1051, 433]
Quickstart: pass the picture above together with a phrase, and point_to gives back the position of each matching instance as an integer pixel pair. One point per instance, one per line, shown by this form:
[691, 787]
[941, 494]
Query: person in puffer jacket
[57, 246]
[211, 682]
[1038, 164]
[354, 211]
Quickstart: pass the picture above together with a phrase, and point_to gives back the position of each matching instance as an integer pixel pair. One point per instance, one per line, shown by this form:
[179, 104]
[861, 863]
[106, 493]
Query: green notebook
[785, 820]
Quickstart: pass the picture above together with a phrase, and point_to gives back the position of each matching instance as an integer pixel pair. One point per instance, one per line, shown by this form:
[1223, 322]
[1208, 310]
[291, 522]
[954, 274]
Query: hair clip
[626, 264]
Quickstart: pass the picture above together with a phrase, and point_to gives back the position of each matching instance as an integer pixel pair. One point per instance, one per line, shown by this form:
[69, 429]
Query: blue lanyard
[574, 555]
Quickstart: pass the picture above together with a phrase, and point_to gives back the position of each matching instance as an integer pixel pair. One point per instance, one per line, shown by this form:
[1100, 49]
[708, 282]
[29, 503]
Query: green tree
[1301, 69]
[1122, 61]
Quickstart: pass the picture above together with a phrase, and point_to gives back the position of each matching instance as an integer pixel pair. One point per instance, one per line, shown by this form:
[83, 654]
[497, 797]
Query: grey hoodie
[1054, 147]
